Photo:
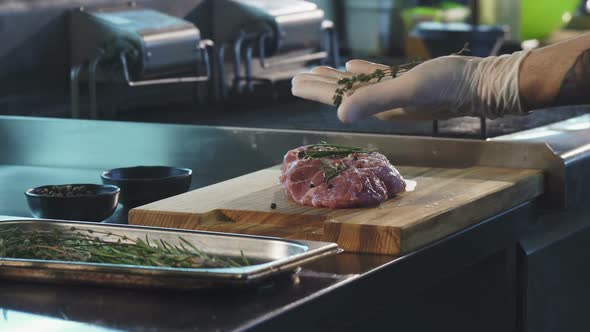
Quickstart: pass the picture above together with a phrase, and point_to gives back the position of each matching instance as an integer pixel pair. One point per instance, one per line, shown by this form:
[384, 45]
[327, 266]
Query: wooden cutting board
[445, 200]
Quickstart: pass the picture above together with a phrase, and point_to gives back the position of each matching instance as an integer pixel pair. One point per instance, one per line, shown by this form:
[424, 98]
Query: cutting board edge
[347, 235]
[409, 242]
[187, 220]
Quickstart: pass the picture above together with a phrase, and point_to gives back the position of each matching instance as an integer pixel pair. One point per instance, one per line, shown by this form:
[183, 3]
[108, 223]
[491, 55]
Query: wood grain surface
[445, 200]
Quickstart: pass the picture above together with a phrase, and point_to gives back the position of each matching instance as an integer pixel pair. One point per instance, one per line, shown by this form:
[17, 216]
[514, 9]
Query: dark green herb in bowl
[83, 202]
[65, 190]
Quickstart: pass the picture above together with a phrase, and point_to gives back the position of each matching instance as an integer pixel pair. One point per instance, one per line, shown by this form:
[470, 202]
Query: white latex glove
[441, 88]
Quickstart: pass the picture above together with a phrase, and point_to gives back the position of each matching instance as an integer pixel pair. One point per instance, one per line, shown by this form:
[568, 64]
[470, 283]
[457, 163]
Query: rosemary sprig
[348, 85]
[84, 245]
[324, 150]
[331, 171]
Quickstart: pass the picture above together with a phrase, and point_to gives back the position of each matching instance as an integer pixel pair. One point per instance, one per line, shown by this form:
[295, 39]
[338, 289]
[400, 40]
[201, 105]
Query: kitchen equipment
[442, 39]
[266, 41]
[137, 45]
[374, 27]
[528, 19]
[328, 6]
[270, 257]
[542, 17]
[144, 184]
[445, 200]
[97, 206]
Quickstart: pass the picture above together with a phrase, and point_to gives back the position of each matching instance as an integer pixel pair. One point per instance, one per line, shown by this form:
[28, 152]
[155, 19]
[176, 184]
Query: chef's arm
[557, 75]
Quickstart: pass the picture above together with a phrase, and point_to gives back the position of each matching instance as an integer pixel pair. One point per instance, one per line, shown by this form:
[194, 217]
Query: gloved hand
[441, 88]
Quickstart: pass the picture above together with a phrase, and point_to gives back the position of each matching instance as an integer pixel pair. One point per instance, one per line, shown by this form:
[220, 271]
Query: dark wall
[35, 43]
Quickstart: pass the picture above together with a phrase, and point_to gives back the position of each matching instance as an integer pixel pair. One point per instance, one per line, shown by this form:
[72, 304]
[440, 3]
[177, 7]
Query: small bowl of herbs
[82, 202]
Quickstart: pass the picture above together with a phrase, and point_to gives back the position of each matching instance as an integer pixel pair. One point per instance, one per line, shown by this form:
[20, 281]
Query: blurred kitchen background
[230, 62]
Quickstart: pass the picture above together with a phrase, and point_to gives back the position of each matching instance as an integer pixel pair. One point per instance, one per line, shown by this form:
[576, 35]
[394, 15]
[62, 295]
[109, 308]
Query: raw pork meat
[356, 180]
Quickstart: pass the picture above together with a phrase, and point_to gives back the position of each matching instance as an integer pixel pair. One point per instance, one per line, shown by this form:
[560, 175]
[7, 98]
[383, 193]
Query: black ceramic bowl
[145, 184]
[96, 205]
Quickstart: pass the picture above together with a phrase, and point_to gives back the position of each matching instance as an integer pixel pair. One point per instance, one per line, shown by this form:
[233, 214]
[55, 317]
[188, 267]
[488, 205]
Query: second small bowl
[145, 184]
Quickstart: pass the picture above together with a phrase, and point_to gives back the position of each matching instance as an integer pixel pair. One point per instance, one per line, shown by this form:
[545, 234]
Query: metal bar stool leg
[75, 91]
[248, 69]
[92, 87]
[435, 128]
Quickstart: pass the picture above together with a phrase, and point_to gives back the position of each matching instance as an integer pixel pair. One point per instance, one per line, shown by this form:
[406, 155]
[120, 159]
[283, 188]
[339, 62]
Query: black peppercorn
[273, 205]
[311, 185]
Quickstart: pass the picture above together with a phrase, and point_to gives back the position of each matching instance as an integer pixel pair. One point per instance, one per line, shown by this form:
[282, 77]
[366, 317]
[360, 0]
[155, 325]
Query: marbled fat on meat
[368, 179]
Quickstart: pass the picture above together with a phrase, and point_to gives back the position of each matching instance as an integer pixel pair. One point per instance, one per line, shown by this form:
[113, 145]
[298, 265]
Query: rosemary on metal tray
[348, 85]
[85, 245]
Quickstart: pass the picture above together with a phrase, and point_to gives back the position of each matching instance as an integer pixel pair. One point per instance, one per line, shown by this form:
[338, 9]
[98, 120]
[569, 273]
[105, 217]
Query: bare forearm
[557, 75]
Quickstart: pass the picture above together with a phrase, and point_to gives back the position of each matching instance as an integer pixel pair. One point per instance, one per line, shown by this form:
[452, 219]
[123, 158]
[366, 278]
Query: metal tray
[269, 256]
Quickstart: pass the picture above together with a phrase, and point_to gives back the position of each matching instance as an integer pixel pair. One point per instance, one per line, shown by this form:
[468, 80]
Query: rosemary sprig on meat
[348, 85]
[84, 245]
[324, 150]
[331, 171]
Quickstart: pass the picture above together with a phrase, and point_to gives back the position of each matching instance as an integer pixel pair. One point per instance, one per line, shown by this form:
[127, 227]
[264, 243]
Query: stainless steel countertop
[48, 150]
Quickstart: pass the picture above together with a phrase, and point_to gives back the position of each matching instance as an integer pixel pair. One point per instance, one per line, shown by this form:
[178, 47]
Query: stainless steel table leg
[75, 91]
[92, 87]
[435, 128]
[248, 68]
[484, 128]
